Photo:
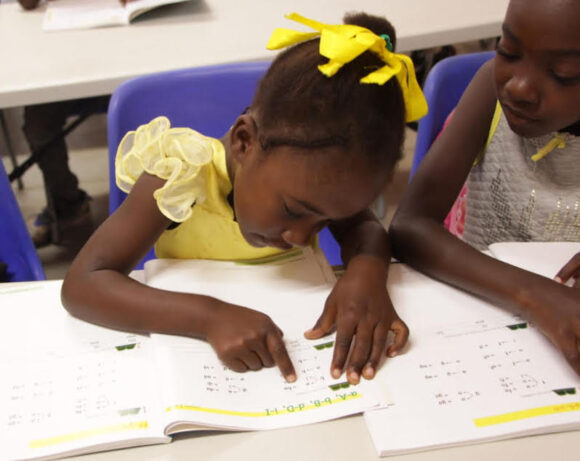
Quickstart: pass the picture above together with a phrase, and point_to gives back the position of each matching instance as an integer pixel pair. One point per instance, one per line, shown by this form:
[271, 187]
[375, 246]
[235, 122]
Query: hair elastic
[387, 40]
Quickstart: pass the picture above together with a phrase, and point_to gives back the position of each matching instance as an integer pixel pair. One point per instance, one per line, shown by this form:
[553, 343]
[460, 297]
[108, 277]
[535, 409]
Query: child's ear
[243, 137]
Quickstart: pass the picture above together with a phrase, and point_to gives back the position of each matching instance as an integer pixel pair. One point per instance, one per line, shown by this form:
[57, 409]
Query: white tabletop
[345, 439]
[39, 66]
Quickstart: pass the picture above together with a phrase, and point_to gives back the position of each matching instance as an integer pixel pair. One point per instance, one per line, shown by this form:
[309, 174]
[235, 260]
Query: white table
[341, 440]
[40, 66]
[345, 439]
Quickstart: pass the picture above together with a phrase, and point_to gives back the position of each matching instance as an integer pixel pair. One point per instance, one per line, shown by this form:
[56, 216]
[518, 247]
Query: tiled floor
[91, 166]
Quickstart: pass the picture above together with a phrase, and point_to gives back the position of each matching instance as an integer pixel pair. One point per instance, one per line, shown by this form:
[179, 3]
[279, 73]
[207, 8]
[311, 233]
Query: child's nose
[522, 89]
[297, 236]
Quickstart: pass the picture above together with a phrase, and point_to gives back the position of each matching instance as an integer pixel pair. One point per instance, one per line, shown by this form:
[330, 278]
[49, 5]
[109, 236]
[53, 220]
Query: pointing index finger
[280, 355]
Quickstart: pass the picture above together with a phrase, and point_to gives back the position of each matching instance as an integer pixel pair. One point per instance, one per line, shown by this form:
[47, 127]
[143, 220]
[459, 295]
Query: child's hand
[556, 311]
[359, 306]
[245, 339]
[570, 271]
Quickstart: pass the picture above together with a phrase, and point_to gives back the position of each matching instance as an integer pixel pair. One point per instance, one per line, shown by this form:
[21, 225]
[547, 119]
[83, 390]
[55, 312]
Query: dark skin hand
[359, 307]
[419, 238]
[243, 339]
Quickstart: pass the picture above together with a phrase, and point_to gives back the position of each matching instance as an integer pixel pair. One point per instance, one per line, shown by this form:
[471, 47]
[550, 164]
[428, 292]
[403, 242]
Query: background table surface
[39, 66]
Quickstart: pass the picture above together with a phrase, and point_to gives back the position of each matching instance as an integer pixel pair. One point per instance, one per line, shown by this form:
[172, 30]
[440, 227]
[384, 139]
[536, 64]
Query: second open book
[70, 387]
[473, 372]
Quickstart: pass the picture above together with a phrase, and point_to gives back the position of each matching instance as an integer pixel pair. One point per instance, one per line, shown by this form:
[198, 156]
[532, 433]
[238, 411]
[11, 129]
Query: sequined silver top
[512, 198]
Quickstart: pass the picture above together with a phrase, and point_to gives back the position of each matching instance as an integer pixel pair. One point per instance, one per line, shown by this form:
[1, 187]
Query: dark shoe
[41, 229]
[45, 230]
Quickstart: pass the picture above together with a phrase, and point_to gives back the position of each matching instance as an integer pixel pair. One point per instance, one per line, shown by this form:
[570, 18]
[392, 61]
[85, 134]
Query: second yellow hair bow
[341, 43]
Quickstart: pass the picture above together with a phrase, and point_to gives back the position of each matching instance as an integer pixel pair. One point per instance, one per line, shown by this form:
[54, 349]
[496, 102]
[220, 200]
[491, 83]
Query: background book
[85, 14]
[70, 387]
[473, 371]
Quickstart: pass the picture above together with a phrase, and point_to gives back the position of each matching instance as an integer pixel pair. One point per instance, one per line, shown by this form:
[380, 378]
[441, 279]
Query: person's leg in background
[67, 203]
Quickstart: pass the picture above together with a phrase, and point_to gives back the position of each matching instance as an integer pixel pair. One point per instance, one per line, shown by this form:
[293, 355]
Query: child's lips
[522, 116]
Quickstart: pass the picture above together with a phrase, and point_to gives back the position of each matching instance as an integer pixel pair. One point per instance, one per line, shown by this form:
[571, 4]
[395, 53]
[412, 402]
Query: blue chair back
[208, 99]
[16, 248]
[443, 88]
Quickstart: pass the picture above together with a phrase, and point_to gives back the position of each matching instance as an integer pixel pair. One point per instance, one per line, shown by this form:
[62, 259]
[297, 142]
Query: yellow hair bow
[344, 42]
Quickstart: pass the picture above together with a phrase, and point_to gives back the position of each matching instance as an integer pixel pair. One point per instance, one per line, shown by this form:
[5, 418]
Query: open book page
[544, 258]
[295, 269]
[69, 387]
[86, 14]
[291, 290]
[472, 372]
[199, 390]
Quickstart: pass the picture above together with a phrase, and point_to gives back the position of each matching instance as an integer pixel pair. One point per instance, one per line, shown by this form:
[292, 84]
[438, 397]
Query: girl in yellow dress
[315, 148]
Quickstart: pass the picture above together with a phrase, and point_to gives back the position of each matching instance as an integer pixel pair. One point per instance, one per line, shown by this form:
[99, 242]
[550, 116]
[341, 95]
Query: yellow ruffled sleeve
[178, 155]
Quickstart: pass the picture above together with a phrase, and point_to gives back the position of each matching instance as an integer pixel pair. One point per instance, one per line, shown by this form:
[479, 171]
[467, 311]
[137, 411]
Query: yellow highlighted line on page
[260, 414]
[524, 414]
[50, 441]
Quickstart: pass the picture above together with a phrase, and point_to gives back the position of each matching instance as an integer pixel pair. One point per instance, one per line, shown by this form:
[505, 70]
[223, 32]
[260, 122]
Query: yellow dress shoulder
[194, 194]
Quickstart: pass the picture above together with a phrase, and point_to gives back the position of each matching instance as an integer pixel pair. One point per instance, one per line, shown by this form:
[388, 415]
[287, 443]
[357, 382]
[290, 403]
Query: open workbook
[86, 14]
[69, 387]
[473, 372]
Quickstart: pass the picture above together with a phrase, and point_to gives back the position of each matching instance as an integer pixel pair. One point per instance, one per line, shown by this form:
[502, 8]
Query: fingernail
[290, 378]
[557, 279]
[368, 372]
[353, 377]
[392, 353]
[336, 373]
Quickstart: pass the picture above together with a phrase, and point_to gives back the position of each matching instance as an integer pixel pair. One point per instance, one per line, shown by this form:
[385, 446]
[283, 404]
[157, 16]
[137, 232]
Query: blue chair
[443, 88]
[16, 248]
[207, 99]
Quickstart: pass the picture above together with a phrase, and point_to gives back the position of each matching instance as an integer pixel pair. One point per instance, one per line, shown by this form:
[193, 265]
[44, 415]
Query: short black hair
[297, 105]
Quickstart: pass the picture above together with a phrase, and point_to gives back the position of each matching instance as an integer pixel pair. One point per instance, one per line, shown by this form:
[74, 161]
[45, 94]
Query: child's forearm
[113, 300]
[427, 246]
[243, 339]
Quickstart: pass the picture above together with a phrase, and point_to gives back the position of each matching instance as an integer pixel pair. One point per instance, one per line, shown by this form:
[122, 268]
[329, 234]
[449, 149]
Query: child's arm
[419, 238]
[98, 289]
[359, 306]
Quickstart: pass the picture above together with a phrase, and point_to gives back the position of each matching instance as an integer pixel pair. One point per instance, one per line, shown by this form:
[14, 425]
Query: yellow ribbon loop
[342, 43]
[558, 141]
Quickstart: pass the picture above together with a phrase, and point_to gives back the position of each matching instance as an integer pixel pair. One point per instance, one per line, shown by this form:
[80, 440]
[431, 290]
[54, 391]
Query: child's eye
[505, 54]
[291, 213]
[565, 79]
